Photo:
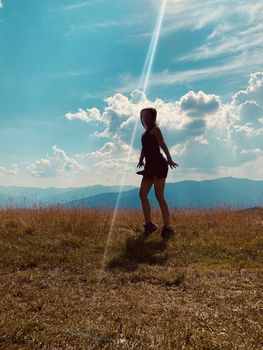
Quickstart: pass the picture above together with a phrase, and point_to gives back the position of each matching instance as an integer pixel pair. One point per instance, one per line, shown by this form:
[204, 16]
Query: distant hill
[29, 196]
[228, 191]
[225, 191]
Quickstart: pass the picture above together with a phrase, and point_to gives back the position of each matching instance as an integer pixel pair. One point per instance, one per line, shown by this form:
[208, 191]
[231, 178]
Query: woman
[155, 171]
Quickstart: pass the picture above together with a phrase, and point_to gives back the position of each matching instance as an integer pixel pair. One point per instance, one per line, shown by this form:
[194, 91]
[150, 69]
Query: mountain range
[224, 191]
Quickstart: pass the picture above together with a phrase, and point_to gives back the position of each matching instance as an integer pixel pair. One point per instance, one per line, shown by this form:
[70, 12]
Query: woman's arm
[142, 155]
[166, 151]
[161, 142]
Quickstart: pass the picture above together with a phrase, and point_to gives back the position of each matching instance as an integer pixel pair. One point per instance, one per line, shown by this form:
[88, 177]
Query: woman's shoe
[167, 232]
[149, 228]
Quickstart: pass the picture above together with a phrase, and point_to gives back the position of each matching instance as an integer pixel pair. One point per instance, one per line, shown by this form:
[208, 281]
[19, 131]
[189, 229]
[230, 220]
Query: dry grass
[201, 290]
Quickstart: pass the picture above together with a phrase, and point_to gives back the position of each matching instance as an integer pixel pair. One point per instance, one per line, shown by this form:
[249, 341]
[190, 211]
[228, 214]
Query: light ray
[143, 83]
[152, 49]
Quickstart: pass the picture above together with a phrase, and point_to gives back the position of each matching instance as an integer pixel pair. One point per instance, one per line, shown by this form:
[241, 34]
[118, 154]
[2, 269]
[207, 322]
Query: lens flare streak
[143, 83]
[147, 69]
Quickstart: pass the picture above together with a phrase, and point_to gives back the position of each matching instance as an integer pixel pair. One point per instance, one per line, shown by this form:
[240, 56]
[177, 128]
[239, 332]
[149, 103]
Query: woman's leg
[146, 185]
[159, 184]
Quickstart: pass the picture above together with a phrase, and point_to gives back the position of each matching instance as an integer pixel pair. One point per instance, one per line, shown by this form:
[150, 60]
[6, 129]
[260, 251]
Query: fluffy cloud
[13, 170]
[2, 170]
[246, 127]
[235, 135]
[201, 132]
[118, 116]
[254, 91]
[58, 164]
[250, 112]
[113, 156]
[180, 118]
[200, 104]
[91, 114]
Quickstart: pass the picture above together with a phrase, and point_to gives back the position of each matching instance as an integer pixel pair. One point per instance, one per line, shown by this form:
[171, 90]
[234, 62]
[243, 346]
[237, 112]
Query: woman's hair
[153, 113]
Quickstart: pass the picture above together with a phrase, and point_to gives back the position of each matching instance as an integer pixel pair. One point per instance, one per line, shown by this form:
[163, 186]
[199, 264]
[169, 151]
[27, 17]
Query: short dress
[155, 163]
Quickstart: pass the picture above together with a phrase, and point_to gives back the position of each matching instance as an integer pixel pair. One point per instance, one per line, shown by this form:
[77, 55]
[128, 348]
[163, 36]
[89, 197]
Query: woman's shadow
[139, 250]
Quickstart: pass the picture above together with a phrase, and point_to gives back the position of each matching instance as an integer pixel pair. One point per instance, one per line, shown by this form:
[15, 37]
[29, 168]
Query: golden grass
[201, 290]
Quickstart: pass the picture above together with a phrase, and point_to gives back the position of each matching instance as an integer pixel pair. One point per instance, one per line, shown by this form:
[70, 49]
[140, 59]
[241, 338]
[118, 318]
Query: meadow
[203, 289]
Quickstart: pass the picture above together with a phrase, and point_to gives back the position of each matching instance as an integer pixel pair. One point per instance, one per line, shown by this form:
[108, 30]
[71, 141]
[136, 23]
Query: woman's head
[148, 117]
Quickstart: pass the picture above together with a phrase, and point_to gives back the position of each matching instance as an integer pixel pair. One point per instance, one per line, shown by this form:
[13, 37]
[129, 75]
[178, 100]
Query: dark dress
[155, 163]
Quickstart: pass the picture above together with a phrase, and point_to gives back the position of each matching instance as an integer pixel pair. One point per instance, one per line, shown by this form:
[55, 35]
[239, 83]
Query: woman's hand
[172, 163]
[141, 163]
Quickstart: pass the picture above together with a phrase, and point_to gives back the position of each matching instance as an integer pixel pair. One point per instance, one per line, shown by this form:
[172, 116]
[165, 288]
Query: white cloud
[250, 112]
[13, 170]
[200, 104]
[246, 127]
[233, 43]
[201, 132]
[166, 77]
[71, 73]
[129, 21]
[113, 155]
[88, 115]
[2, 170]
[58, 164]
[180, 118]
[77, 6]
[186, 14]
[237, 27]
[224, 16]
[250, 169]
[254, 91]
[1, 4]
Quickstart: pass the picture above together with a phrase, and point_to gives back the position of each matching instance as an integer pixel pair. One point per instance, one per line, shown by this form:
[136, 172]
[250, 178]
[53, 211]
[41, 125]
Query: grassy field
[203, 289]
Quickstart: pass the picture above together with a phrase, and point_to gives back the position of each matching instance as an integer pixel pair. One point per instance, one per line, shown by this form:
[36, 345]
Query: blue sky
[69, 86]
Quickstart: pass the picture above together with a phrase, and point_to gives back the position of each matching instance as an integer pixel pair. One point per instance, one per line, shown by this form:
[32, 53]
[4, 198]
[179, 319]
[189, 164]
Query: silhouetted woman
[155, 171]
